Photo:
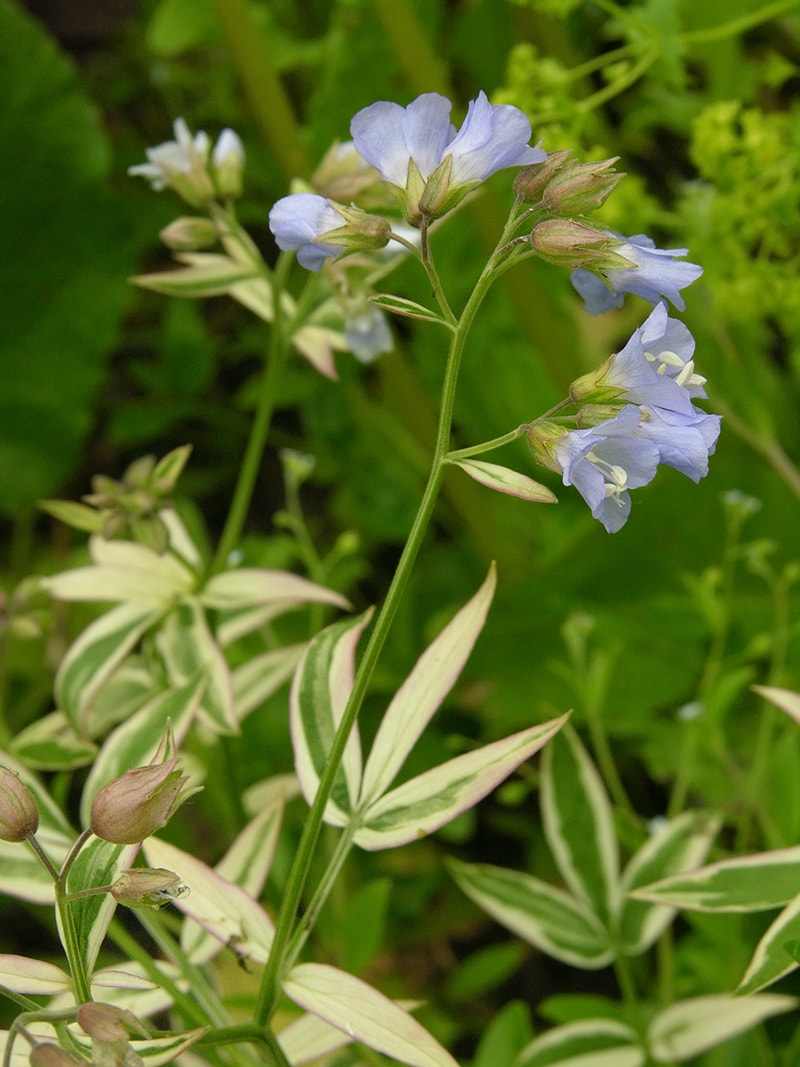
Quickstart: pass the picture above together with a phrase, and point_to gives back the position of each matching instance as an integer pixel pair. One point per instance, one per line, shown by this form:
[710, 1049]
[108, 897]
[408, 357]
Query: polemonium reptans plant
[178, 628]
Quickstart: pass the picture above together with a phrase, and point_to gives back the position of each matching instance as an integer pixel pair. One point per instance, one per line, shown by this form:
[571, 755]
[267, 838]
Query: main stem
[290, 904]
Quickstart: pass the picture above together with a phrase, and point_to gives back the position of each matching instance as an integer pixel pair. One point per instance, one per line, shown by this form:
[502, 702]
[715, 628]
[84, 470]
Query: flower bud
[107, 1023]
[189, 233]
[19, 812]
[47, 1054]
[531, 182]
[132, 807]
[574, 244]
[580, 189]
[147, 887]
[227, 164]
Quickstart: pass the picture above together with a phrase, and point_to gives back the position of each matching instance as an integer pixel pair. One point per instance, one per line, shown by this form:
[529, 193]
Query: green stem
[738, 25]
[298, 874]
[77, 964]
[487, 446]
[251, 463]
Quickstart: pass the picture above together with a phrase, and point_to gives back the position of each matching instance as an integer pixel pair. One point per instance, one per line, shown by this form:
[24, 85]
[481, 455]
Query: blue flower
[684, 441]
[655, 274]
[605, 462]
[367, 335]
[408, 145]
[298, 220]
[655, 367]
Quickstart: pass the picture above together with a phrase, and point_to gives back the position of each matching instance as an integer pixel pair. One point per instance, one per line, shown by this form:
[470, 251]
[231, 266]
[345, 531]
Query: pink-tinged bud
[147, 887]
[133, 807]
[19, 812]
[108, 1024]
[574, 244]
[531, 182]
[47, 1054]
[582, 188]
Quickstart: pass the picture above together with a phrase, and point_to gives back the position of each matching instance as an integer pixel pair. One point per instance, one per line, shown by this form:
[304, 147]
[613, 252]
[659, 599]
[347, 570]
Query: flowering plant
[198, 642]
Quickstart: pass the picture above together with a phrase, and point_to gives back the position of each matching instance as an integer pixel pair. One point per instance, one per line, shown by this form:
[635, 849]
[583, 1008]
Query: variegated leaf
[125, 571]
[678, 846]
[772, 959]
[246, 863]
[585, 1043]
[690, 1027]
[427, 802]
[505, 480]
[420, 695]
[554, 921]
[51, 744]
[398, 305]
[135, 742]
[154, 1051]
[204, 274]
[322, 685]
[309, 1038]
[189, 651]
[577, 818]
[250, 586]
[364, 1014]
[93, 658]
[784, 699]
[748, 883]
[32, 977]
[98, 863]
[255, 680]
[220, 906]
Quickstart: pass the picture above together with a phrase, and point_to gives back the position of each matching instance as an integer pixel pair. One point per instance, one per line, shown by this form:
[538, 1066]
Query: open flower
[419, 152]
[655, 367]
[605, 462]
[654, 273]
[684, 441]
[183, 165]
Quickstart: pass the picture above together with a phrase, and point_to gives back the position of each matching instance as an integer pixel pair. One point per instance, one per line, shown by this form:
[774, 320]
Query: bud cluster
[130, 506]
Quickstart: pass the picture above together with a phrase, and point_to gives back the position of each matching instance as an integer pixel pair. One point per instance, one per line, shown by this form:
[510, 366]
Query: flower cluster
[635, 413]
[429, 166]
[183, 165]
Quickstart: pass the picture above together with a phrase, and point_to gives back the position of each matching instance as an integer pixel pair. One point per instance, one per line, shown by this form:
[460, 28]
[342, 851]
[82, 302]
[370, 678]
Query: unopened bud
[19, 812]
[46, 1054]
[227, 164]
[107, 1023]
[147, 887]
[582, 188]
[189, 233]
[532, 181]
[133, 807]
[574, 244]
